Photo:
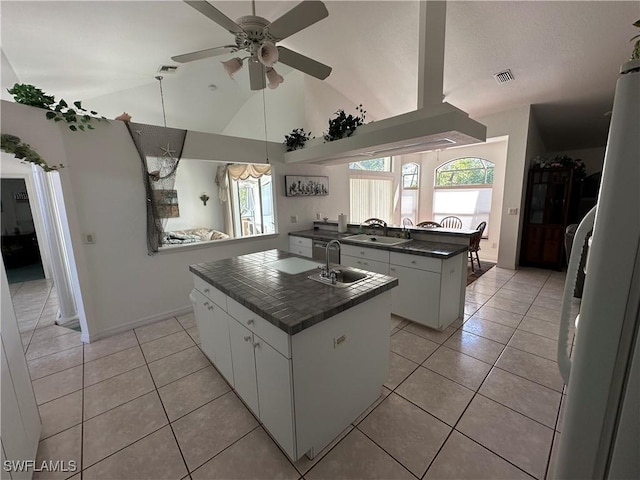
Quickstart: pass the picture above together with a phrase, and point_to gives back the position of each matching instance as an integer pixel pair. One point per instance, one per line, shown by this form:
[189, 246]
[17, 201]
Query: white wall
[9, 77]
[514, 124]
[122, 286]
[193, 178]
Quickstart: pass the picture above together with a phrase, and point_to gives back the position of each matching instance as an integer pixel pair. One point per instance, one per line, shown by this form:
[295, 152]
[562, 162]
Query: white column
[67, 312]
[433, 19]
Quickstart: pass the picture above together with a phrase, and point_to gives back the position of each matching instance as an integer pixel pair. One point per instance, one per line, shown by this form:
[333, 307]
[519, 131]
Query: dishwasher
[319, 252]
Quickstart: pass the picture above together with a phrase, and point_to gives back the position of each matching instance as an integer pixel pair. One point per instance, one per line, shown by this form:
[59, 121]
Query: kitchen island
[306, 358]
[431, 269]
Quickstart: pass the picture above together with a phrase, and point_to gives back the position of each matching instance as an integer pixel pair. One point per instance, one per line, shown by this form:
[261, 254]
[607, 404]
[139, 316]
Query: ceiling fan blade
[256, 75]
[216, 15]
[304, 64]
[299, 17]
[200, 54]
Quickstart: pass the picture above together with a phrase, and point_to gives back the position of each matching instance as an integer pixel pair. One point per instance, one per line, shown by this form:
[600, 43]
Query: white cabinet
[213, 326]
[301, 246]
[428, 289]
[365, 258]
[308, 387]
[244, 365]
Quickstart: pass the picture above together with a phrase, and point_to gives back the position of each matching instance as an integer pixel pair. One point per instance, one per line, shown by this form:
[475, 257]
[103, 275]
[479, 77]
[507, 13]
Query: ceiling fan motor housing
[254, 33]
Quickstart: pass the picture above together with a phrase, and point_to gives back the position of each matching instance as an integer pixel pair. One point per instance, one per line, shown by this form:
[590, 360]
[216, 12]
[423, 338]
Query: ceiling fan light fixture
[232, 66]
[268, 53]
[274, 78]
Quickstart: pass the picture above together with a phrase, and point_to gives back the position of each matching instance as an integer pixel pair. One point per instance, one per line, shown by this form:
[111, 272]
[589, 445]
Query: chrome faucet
[325, 271]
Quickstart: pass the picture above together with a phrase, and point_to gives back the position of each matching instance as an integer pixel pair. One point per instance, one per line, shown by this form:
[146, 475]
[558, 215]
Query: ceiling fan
[258, 37]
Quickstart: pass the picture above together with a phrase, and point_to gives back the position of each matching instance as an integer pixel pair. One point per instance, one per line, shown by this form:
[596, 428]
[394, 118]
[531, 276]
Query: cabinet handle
[256, 344]
[361, 252]
[206, 290]
[365, 263]
[210, 307]
[247, 338]
[392, 269]
[206, 304]
[251, 321]
[413, 261]
[359, 262]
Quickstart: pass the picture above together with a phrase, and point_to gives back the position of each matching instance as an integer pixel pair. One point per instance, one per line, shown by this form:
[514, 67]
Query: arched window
[409, 202]
[463, 187]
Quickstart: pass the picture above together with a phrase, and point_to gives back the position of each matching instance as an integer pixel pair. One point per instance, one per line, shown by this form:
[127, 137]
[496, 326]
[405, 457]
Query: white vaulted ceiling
[565, 57]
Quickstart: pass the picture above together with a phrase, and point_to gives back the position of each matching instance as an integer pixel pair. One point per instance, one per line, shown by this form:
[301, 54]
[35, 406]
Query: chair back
[407, 222]
[451, 222]
[429, 224]
[474, 243]
[370, 221]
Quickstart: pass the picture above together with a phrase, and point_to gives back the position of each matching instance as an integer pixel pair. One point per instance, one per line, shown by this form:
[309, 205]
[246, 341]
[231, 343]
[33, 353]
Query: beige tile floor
[480, 400]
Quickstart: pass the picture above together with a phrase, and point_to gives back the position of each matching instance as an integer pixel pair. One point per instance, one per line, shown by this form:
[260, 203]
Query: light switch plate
[294, 219]
[88, 238]
[512, 211]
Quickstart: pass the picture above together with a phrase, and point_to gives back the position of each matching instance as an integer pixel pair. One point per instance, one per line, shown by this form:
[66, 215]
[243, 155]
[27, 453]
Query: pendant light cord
[164, 115]
[264, 112]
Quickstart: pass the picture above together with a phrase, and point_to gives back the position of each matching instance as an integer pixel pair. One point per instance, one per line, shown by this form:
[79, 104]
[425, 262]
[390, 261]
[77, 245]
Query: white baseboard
[141, 322]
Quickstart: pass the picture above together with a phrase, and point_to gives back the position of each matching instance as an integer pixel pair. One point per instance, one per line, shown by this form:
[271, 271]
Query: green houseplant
[343, 125]
[76, 116]
[296, 139]
[12, 144]
[635, 55]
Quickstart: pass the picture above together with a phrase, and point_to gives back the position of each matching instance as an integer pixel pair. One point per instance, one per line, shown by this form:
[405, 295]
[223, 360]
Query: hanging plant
[561, 161]
[296, 139]
[12, 144]
[635, 55]
[77, 117]
[343, 125]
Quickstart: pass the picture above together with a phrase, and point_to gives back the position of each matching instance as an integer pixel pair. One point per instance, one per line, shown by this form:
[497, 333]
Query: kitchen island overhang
[306, 358]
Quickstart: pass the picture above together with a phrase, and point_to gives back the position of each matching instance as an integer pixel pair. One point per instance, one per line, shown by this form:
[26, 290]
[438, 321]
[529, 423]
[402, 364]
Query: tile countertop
[291, 302]
[414, 247]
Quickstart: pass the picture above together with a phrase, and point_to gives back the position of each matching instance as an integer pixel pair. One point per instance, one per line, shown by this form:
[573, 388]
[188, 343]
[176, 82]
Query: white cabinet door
[365, 264]
[275, 394]
[203, 311]
[221, 342]
[244, 366]
[417, 296]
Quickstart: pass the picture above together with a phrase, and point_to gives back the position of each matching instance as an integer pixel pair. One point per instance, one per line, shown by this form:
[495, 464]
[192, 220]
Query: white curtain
[371, 198]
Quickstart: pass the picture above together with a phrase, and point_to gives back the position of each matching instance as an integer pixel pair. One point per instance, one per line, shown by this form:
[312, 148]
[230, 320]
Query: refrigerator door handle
[585, 227]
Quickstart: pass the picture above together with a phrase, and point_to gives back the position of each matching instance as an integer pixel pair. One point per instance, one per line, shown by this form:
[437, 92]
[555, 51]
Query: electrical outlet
[294, 219]
[339, 340]
[88, 238]
[512, 211]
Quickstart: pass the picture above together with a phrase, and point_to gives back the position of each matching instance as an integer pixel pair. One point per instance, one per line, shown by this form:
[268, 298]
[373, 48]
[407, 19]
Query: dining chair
[451, 222]
[474, 244]
[428, 224]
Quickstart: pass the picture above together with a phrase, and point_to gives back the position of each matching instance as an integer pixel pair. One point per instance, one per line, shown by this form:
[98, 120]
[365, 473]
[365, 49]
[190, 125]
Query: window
[410, 192]
[463, 187]
[371, 190]
[251, 190]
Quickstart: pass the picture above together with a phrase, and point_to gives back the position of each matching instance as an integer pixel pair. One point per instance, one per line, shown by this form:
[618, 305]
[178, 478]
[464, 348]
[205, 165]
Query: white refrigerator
[601, 431]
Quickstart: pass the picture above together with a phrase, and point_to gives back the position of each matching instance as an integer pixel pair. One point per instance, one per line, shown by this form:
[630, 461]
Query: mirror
[210, 201]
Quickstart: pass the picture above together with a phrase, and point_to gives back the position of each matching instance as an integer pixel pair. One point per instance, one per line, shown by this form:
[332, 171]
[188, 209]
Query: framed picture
[305, 186]
[167, 203]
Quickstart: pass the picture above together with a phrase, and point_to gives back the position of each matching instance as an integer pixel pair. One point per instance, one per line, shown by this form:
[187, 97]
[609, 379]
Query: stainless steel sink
[377, 239]
[344, 278]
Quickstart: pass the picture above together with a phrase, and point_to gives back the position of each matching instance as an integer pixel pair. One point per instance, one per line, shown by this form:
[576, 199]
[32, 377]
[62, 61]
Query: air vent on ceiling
[504, 76]
[167, 69]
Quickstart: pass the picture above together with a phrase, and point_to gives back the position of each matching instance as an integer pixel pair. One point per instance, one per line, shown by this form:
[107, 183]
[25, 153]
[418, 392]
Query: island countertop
[292, 302]
[424, 248]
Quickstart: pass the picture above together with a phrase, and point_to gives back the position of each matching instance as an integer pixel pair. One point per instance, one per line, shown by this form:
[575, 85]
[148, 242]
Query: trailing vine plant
[296, 139]
[635, 55]
[76, 116]
[12, 144]
[343, 125]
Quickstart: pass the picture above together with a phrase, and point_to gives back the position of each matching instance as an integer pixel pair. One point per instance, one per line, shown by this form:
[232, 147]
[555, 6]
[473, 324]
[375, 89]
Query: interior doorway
[20, 250]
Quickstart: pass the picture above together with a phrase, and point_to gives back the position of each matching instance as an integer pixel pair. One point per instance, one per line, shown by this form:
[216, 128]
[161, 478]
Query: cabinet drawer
[300, 242]
[416, 261]
[370, 265]
[304, 251]
[209, 291]
[366, 253]
[271, 334]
